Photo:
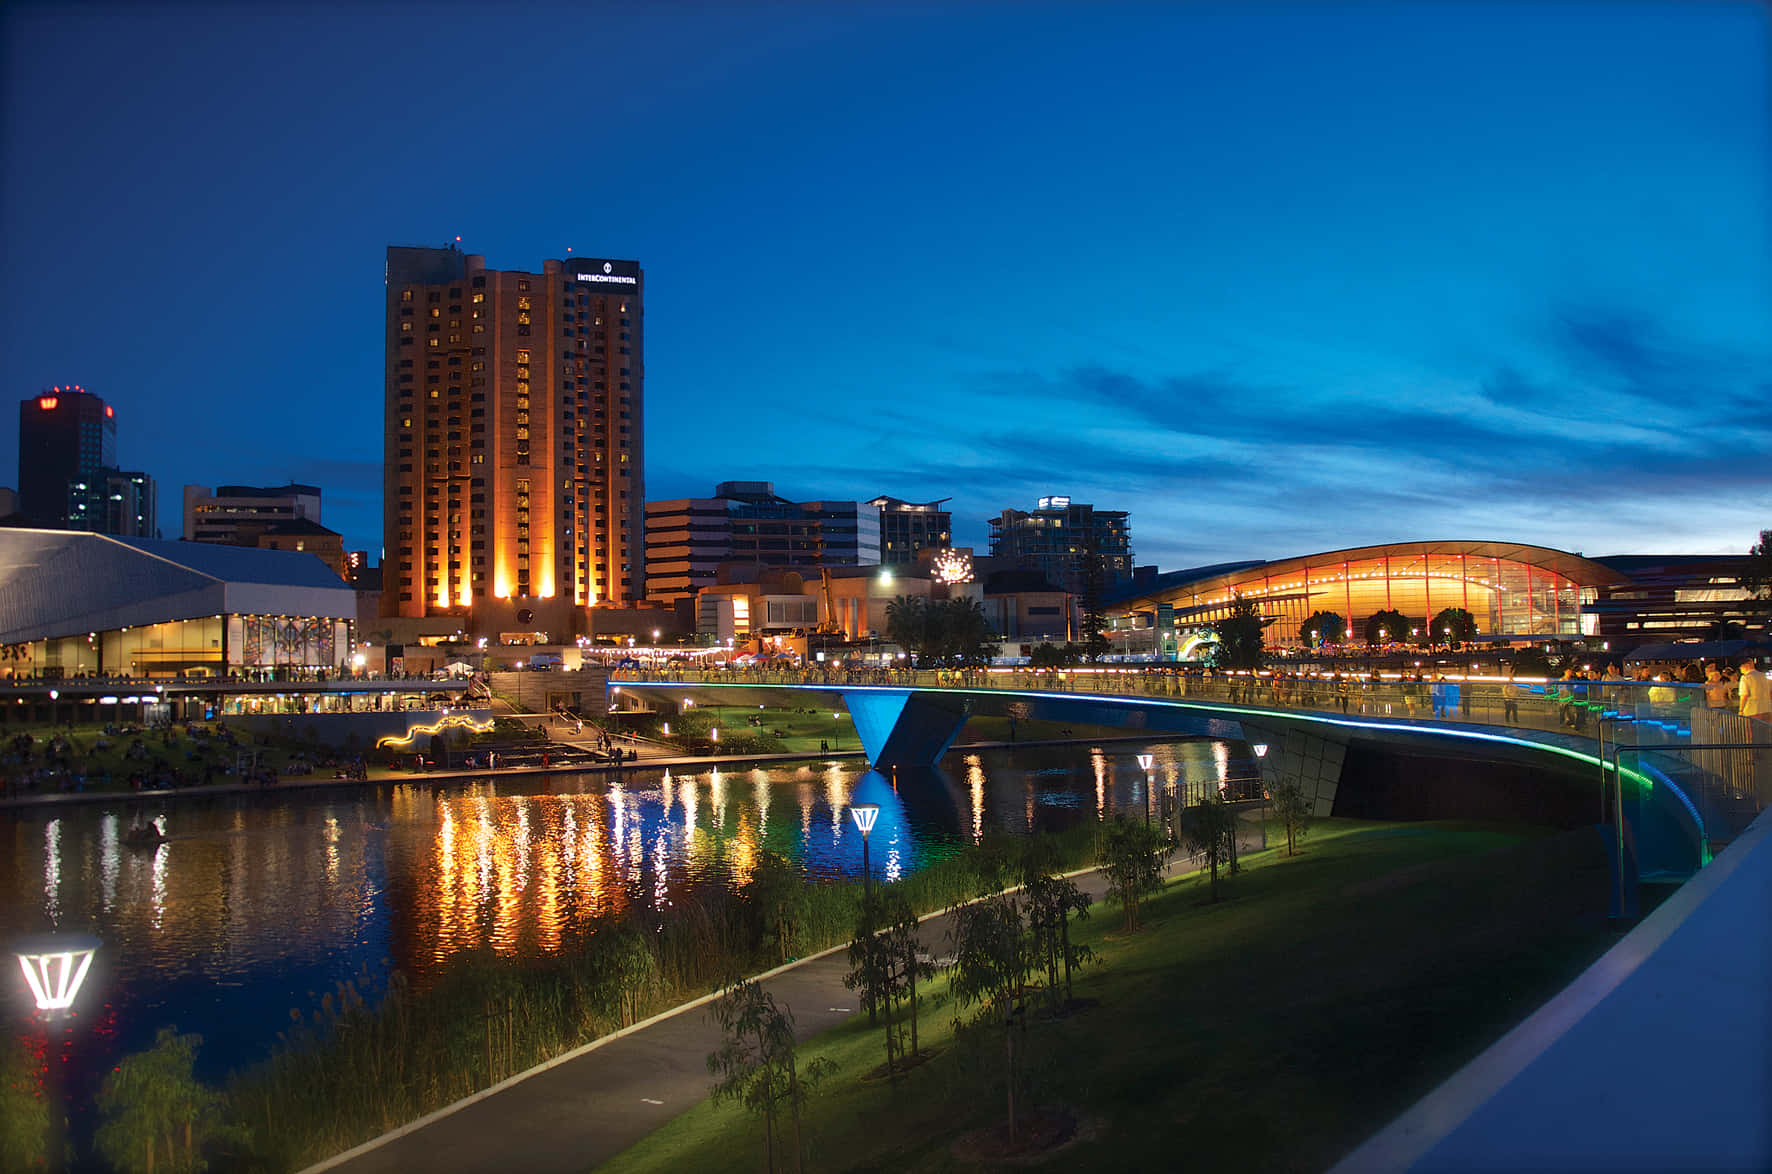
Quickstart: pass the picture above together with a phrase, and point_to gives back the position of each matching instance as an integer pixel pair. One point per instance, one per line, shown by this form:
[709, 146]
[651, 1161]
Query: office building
[217, 515]
[1056, 537]
[908, 528]
[65, 435]
[514, 485]
[118, 502]
[747, 522]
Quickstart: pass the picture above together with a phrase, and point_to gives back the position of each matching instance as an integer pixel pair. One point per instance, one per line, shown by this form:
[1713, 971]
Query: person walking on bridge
[1756, 692]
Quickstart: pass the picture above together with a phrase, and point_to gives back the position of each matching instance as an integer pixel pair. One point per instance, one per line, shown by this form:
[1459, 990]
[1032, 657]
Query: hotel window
[435, 312]
[406, 295]
[522, 287]
[478, 298]
[405, 327]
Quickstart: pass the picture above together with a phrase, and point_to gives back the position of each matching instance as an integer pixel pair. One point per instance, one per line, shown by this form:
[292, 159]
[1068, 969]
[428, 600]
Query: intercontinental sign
[608, 276]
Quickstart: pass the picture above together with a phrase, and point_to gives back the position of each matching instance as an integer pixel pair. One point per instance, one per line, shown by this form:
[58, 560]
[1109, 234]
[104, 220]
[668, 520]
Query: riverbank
[1274, 1030]
[381, 776]
[1281, 1025]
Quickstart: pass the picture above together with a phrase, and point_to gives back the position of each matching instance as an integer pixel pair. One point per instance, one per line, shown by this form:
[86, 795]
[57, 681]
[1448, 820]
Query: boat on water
[145, 835]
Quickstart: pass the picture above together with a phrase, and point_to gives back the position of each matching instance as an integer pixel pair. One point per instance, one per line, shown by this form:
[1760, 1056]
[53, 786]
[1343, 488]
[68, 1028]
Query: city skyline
[1273, 279]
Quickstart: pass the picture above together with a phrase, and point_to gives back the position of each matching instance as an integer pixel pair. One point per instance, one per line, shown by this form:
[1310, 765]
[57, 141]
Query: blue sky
[1276, 279]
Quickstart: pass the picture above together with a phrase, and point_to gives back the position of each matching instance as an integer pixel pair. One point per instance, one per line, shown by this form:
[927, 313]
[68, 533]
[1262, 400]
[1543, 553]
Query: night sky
[1276, 279]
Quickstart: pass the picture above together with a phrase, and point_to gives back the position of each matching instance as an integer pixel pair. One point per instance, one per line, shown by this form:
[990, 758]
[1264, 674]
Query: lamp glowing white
[55, 967]
[864, 815]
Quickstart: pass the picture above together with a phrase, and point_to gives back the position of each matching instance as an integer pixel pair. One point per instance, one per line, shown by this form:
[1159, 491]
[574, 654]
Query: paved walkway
[597, 1101]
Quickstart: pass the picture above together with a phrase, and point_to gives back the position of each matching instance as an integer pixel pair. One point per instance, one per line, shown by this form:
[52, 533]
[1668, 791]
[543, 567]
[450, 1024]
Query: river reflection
[255, 903]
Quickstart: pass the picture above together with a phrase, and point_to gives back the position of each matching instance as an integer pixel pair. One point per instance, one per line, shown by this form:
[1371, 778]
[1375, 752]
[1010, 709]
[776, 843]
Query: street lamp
[864, 815]
[55, 966]
[837, 733]
[1144, 763]
[1260, 749]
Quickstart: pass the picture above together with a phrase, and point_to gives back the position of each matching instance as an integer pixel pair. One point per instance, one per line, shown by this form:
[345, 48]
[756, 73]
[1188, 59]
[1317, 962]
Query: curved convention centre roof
[1510, 588]
[61, 583]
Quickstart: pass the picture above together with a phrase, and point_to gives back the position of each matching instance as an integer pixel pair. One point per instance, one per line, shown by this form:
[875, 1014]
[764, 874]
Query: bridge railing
[1660, 710]
[1667, 721]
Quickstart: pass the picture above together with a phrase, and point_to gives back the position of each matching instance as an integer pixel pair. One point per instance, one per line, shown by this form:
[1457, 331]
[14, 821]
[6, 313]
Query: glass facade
[1506, 597]
[210, 646]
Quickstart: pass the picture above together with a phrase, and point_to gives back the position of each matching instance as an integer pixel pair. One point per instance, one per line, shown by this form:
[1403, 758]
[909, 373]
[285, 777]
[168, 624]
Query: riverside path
[583, 1109]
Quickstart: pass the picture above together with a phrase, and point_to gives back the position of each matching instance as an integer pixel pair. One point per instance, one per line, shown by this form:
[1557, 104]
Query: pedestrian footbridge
[1671, 779]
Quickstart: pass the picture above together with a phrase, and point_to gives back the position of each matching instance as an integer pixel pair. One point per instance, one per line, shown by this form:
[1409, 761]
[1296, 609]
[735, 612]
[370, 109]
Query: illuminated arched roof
[1508, 586]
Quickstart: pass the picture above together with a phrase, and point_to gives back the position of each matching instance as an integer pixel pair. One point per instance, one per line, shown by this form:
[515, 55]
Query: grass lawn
[1272, 1031]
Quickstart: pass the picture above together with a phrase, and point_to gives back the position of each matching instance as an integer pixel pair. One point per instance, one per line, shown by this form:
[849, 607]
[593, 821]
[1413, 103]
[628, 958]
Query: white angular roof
[64, 583]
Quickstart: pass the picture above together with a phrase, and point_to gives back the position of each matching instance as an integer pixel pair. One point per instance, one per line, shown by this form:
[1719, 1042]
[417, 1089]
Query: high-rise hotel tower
[514, 486]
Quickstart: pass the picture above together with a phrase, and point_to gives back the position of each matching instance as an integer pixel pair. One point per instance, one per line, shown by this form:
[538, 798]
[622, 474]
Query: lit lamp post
[55, 966]
[837, 736]
[1144, 764]
[1260, 749]
[864, 815]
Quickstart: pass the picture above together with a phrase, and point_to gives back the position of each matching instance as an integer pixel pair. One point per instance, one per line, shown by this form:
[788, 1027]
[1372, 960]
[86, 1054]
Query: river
[256, 904]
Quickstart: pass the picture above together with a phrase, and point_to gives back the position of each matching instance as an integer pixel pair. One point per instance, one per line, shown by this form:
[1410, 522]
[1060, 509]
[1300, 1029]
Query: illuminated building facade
[1055, 537]
[1512, 591]
[747, 522]
[514, 484]
[66, 434]
[908, 528]
[75, 604]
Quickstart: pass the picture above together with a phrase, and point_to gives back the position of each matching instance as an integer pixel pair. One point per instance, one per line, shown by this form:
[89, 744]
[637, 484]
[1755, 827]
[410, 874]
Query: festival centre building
[76, 604]
[1513, 592]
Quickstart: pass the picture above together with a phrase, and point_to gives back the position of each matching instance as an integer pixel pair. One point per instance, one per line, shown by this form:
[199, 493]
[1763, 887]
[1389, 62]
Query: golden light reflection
[836, 797]
[743, 851]
[975, 785]
[1099, 764]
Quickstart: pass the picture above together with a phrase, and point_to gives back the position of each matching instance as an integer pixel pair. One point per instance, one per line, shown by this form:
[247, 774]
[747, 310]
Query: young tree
[990, 970]
[1210, 831]
[152, 1104]
[870, 966]
[1324, 627]
[1239, 637]
[904, 950]
[1051, 902]
[756, 1064]
[1132, 855]
[1019, 711]
[1293, 809]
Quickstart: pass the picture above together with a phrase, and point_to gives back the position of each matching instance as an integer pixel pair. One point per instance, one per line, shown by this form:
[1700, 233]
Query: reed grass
[365, 1061]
